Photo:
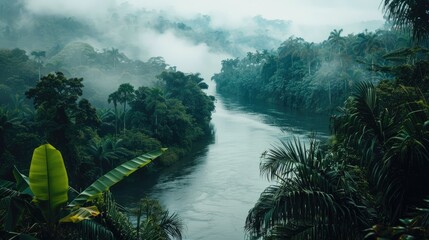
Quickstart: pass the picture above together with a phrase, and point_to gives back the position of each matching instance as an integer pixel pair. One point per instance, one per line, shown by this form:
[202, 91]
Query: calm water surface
[215, 186]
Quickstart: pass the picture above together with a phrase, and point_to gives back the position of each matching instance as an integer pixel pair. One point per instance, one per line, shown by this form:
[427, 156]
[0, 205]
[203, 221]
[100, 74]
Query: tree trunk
[116, 120]
[125, 111]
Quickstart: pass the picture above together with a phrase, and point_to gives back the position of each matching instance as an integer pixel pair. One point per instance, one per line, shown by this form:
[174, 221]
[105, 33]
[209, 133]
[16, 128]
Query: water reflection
[213, 188]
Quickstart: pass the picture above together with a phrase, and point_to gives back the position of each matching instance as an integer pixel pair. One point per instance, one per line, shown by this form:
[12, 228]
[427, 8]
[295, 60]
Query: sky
[305, 12]
[311, 19]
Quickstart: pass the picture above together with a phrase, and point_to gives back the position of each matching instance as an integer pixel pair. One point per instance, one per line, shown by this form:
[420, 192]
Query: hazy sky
[312, 19]
[311, 12]
[308, 12]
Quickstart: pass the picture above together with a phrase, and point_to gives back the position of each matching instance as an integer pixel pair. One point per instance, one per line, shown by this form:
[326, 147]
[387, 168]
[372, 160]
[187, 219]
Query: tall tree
[336, 41]
[114, 98]
[126, 95]
[62, 119]
[38, 55]
[114, 55]
[153, 102]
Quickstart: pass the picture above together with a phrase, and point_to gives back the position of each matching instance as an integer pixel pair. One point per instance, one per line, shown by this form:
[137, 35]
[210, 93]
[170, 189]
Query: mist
[195, 36]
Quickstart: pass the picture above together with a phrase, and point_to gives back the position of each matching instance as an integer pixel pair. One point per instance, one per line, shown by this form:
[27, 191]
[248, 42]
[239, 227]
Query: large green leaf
[48, 180]
[114, 176]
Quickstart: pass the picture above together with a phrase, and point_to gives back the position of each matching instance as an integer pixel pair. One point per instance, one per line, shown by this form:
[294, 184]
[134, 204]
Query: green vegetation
[51, 216]
[369, 181]
[303, 75]
[174, 112]
[52, 32]
[40, 103]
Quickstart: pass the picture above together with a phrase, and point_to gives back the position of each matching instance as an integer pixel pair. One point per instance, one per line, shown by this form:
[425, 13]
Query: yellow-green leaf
[48, 180]
[81, 214]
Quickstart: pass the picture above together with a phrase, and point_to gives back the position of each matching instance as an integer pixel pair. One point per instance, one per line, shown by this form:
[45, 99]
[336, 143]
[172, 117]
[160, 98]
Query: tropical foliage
[167, 109]
[372, 175]
[312, 76]
[315, 196]
[370, 179]
[50, 210]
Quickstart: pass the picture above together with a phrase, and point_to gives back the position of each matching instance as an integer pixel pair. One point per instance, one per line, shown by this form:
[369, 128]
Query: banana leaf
[80, 214]
[48, 180]
[114, 176]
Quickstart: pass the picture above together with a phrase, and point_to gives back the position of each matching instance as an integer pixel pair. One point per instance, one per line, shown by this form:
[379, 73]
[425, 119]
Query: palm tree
[114, 54]
[153, 220]
[105, 152]
[336, 40]
[409, 14]
[367, 44]
[290, 47]
[393, 147]
[126, 95]
[114, 98]
[38, 55]
[154, 101]
[308, 53]
[314, 197]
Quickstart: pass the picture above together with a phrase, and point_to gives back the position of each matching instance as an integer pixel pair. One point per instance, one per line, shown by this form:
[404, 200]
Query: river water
[214, 187]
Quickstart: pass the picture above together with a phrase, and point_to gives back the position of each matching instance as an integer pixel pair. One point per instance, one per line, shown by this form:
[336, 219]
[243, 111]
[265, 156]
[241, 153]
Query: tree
[106, 152]
[154, 101]
[126, 95]
[62, 119]
[314, 196]
[114, 98]
[308, 53]
[38, 55]
[186, 89]
[409, 14]
[114, 54]
[156, 221]
[17, 74]
[392, 142]
[336, 40]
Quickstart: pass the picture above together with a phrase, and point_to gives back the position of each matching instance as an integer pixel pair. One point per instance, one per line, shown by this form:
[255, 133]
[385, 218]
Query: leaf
[14, 207]
[48, 180]
[80, 214]
[93, 230]
[22, 182]
[6, 189]
[17, 236]
[114, 176]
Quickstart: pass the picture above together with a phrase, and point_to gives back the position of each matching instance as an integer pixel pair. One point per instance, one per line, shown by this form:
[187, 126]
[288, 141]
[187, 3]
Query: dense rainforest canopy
[312, 76]
[42, 102]
[369, 180]
[100, 108]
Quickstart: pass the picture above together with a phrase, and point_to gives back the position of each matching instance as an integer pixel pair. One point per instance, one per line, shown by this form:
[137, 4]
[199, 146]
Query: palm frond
[172, 225]
[90, 229]
[280, 161]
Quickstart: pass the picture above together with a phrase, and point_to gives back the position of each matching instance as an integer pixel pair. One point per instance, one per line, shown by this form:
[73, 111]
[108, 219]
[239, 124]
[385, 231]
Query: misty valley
[132, 120]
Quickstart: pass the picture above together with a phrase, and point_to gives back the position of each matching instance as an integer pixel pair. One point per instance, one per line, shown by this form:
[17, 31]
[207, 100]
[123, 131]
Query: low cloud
[128, 24]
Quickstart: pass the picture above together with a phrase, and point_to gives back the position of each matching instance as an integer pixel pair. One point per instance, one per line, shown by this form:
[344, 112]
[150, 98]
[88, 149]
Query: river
[215, 186]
